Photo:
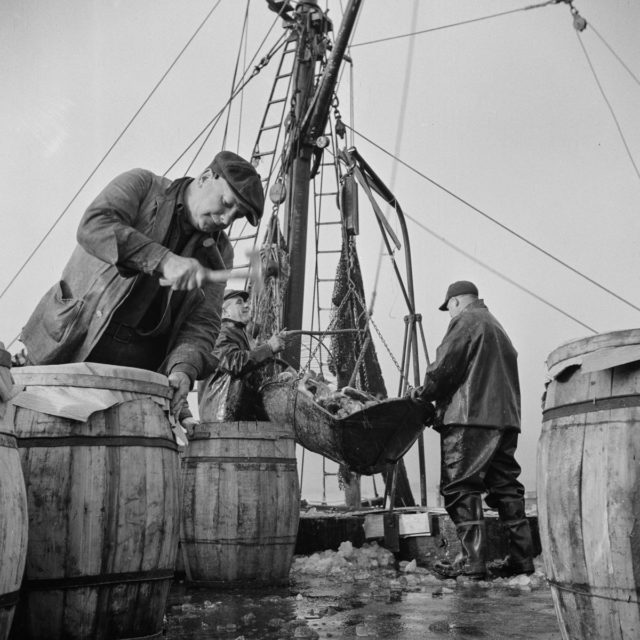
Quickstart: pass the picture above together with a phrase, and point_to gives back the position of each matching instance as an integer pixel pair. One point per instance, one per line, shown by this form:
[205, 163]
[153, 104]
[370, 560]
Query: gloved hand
[277, 342]
[416, 396]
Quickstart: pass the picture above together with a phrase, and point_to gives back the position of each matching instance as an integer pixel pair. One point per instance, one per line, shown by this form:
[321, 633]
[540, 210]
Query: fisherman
[134, 292]
[474, 382]
[230, 393]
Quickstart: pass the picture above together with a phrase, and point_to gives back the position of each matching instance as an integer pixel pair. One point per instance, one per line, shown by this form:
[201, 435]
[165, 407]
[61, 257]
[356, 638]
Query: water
[365, 598]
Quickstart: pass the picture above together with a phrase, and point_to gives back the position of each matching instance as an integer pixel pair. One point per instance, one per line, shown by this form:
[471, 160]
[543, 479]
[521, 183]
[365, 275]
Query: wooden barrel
[241, 504]
[589, 486]
[103, 498]
[13, 527]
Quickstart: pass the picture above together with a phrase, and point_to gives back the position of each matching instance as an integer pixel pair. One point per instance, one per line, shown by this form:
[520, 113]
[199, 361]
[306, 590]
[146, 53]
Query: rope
[109, 150]
[613, 114]
[457, 24]
[214, 121]
[399, 134]
[500, 224]
[588, 594]
[235, 70]
[499, 274]
[616, 56]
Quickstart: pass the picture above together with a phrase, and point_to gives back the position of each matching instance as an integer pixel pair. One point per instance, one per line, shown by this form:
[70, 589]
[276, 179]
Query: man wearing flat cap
[230, 393]
[474, 383]
[134, 292]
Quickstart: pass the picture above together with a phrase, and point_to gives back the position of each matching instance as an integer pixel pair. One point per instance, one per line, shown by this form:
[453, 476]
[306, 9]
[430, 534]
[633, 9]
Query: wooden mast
[310, 113]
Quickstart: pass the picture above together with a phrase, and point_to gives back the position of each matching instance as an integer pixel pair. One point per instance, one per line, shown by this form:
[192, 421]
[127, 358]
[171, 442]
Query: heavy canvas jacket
[120, 236]
[228, 394]
[474, 379]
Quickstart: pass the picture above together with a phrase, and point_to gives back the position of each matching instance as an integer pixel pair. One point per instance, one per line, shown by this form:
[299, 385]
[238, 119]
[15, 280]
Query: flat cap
[459, 288]
[244, 182]
[236, 293]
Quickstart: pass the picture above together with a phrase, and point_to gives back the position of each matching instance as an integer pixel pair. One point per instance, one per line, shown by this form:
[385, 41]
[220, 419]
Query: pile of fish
[339, 403]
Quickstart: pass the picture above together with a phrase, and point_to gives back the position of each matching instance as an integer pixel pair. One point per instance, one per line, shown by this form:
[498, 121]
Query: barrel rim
[97, 369]
[581, 346]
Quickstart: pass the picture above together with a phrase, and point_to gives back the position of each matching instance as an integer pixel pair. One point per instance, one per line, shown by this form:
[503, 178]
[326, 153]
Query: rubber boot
[520, 557]
[471, 561]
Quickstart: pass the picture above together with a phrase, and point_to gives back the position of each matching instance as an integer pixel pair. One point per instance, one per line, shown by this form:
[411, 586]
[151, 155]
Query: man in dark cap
[474, 382]
[135, 290]
[230, 393]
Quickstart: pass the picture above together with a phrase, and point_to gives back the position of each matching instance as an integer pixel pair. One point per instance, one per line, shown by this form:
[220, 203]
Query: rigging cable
[243, 40]
[109, 150]
[613, 114]
[501, 225]
[263, 63]
[399, 131]
[615, 55]
[498, 273]
[457, 24]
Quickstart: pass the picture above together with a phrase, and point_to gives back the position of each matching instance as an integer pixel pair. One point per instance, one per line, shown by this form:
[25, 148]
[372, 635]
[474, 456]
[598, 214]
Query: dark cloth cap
[459, 288]
[236, 293]
[244, 182]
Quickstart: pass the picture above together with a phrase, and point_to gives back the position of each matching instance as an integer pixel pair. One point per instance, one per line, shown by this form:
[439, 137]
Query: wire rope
[108, 152]
[399, 134]
[457, 24]
[616, 56]
[609, 106]
[502, 225]
[243, 39]
[484, 265]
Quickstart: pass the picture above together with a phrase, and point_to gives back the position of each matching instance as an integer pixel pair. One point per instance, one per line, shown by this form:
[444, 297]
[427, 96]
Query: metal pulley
[278, 192]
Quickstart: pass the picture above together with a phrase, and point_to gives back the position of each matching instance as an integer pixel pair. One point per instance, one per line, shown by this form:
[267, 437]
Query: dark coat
[474, 379]
[121, 235]
[228, 394]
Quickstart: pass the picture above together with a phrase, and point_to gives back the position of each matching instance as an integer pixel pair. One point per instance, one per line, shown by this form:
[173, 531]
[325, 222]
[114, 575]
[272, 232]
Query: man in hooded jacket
[474, 382]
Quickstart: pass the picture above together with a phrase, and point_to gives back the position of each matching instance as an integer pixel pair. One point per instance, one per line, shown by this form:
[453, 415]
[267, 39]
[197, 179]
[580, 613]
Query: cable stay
[500, 224]
[108, 152]
[495, 272]
[458, 24]
[604, 96]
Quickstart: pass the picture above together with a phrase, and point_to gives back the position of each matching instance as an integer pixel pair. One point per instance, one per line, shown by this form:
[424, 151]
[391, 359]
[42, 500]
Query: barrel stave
[101, 507]
[238, 522]
[588, 499]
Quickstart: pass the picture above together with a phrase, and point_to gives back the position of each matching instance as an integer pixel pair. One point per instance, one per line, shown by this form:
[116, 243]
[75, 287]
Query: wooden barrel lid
[574, 349]
[94, 375]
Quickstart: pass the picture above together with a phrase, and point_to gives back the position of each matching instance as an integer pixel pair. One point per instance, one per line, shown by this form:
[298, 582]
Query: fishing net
[267, 301]
[354, 360]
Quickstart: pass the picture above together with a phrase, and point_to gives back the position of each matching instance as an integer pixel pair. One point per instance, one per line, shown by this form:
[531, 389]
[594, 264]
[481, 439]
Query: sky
[504, 114]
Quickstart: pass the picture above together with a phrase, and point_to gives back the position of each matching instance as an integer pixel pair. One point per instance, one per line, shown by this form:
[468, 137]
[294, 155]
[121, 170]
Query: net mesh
[354, 360]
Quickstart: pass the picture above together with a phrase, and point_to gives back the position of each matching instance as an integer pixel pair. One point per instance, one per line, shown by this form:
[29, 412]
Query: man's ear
[207, 174]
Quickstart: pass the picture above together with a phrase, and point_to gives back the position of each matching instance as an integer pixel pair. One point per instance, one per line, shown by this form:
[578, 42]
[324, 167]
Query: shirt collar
[181, 207]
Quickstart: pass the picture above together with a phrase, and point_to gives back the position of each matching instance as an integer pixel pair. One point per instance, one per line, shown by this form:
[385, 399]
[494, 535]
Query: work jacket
[230, 393]
[119, 237]
[474, 379]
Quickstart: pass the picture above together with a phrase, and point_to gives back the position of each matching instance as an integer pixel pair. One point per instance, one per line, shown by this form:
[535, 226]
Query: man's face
[453, 307]
[212, 205]
[237, 309]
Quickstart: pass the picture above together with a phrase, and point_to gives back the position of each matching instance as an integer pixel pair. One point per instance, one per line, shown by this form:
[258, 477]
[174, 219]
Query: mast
[309, 118]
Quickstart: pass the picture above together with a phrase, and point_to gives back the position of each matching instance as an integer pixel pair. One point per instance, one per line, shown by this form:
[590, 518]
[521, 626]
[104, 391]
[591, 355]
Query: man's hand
[189, 425]
[181, 274]
[416, 396]
[277, 342]
[181, 384]
[6, 381]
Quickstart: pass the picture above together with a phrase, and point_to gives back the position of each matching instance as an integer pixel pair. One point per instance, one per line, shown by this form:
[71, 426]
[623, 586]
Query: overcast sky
[504, 113]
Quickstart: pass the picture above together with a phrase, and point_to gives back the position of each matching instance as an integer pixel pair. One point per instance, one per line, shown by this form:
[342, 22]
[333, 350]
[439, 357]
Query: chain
[371, 321]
